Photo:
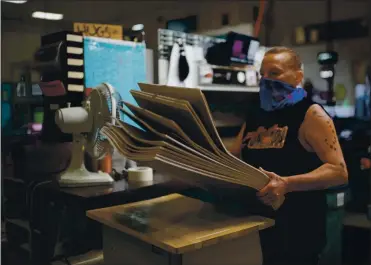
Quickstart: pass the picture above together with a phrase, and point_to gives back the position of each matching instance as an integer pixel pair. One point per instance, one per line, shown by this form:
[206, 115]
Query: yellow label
[340, 92]
[99, 30]
[314, 35]
[300, 35]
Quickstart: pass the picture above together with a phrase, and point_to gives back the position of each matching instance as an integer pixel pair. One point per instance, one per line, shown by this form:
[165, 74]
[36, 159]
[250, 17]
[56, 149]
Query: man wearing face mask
[295, 143]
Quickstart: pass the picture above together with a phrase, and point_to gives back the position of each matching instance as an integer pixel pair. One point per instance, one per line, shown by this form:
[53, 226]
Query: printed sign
[263, 138]
[99, 30]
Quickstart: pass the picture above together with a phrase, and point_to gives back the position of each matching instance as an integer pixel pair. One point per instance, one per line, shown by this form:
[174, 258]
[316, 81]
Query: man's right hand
[365, 163]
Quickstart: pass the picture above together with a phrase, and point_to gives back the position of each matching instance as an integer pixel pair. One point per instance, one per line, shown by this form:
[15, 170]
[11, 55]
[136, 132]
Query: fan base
[83, 178]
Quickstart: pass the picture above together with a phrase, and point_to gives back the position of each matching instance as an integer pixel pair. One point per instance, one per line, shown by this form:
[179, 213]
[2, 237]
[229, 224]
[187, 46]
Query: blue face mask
[275, 94]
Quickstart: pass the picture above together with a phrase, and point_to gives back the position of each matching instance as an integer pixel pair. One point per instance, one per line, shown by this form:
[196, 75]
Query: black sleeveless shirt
[277, 147]
[274, 145]
[299, 233]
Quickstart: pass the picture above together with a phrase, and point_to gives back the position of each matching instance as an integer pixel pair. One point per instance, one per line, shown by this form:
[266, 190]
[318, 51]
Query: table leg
[175, 259]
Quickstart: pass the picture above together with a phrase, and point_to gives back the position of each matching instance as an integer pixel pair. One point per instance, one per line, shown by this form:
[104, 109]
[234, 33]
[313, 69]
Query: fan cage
[100, 148]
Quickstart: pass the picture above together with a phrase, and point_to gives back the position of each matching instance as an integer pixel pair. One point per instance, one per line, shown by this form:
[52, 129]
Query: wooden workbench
[175, 229]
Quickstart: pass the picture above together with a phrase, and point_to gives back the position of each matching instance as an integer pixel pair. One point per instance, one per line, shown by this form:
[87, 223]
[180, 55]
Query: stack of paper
[179, 138]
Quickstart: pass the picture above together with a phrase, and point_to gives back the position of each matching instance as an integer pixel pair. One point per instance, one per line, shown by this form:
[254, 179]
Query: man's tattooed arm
[332, 140]
[320, 133]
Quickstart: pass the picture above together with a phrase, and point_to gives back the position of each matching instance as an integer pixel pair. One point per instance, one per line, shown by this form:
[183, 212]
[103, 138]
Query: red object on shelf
[52, 88]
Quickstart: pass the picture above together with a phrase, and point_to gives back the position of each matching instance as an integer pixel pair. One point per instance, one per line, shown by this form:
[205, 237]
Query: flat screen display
[242, 48]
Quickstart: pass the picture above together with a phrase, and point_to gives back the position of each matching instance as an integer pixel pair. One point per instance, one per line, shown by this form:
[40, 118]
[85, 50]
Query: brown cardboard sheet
[178, 138]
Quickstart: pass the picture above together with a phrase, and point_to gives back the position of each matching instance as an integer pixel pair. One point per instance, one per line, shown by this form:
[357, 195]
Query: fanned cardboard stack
[179, 138]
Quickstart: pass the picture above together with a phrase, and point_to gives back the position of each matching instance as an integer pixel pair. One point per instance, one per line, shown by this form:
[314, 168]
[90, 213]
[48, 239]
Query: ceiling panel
[99, 11]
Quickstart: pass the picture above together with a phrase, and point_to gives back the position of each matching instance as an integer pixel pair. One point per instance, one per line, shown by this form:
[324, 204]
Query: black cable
[31, 211]
[49, 173]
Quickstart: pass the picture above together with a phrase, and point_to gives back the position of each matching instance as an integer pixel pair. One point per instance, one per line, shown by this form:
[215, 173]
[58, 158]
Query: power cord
[31, 211]
[55, 173]
[31, 196]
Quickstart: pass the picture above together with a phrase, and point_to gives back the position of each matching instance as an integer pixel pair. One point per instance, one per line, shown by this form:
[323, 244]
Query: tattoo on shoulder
[331, 144]
[319, 114]
[333, 140]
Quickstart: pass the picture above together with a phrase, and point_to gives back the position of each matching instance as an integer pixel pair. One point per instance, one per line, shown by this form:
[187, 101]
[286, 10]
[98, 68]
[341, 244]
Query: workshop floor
[15, 258]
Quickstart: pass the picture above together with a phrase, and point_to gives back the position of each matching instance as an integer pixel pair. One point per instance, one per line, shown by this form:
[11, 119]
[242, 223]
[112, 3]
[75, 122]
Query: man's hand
[276, 188]
[365, 163]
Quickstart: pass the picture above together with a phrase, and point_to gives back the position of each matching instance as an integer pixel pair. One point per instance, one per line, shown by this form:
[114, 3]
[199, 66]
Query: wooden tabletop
[176, 223]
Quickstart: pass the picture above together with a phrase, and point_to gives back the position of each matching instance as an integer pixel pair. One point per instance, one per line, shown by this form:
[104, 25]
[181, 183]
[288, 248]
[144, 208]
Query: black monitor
[242, 48]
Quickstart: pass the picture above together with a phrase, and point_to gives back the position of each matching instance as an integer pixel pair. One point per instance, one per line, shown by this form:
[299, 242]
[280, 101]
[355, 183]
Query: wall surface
[291, 14]
[16, 48]
[21, 34]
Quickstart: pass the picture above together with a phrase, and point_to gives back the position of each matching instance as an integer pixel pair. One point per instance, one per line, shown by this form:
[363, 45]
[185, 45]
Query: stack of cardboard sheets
[179, 138]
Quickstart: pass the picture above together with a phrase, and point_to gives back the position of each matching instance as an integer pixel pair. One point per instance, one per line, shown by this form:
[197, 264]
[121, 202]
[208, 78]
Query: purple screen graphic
[237, 49]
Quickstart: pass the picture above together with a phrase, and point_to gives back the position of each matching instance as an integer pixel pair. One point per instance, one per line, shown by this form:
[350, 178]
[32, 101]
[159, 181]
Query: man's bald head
[292, 58]
[284, 64]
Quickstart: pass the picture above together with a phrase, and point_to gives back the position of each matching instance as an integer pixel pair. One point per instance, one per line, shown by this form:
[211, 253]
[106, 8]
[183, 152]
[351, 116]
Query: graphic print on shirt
[262, 138]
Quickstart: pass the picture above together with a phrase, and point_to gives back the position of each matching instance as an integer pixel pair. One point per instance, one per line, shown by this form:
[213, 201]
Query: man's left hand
[276, 188]
[365, 163]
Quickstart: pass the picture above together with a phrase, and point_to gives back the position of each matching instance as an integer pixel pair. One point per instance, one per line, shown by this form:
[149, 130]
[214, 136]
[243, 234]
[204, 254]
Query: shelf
[29, 100]
[229, 88]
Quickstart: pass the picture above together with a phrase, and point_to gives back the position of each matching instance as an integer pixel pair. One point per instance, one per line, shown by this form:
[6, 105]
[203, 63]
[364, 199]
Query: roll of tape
[140, 174]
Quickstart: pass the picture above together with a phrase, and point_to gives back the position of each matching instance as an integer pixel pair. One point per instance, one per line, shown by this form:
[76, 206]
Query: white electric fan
[84, 123]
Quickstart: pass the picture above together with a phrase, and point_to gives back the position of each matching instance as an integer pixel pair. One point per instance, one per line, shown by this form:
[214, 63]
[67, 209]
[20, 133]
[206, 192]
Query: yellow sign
[300, 35]
[99, 30]
[314, 35]
[340, 92]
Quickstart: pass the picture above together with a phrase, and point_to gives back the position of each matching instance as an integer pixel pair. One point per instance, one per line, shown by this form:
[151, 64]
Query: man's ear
[299, 78]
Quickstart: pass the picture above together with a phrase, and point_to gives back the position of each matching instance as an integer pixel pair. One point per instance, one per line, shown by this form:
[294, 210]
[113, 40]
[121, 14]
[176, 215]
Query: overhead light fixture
[15, 1]
[137, 27]
[47, 15]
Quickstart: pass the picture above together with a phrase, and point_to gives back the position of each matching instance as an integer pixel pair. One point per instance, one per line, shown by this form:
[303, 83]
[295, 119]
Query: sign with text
[99, 30]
